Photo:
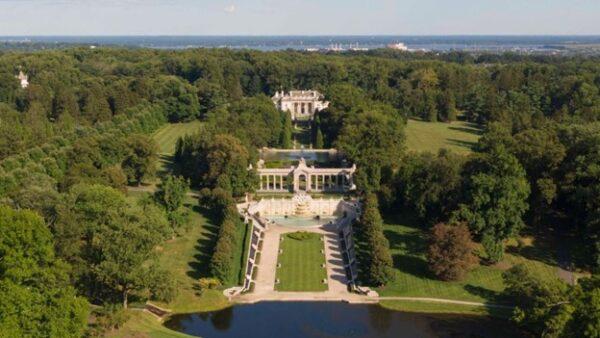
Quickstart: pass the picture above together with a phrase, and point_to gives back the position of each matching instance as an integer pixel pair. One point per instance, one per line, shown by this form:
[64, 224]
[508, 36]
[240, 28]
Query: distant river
[333, 320]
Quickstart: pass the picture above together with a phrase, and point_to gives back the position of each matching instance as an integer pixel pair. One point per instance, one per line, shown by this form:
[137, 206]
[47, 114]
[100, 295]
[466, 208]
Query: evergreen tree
[319, 140]
[286, 131]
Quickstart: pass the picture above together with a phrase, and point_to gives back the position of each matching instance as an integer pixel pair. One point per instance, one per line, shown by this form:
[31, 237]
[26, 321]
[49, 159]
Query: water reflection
[332, 320]
[308, 155]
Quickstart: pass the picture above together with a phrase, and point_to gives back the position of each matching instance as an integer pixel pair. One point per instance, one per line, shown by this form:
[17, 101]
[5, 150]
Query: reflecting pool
[333, 320]
[302, 221]
[308, 155]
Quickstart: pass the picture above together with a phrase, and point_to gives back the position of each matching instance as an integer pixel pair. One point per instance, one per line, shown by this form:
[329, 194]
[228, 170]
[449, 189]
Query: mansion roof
[298, 95]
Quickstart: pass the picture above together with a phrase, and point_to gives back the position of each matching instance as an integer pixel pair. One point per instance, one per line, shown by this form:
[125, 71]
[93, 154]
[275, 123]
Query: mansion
[302, 104]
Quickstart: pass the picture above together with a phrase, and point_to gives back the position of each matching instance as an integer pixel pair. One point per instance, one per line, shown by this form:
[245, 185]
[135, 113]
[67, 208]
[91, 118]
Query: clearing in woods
[458, 136]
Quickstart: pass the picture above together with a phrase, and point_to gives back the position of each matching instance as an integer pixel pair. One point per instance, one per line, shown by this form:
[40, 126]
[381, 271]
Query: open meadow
[458, 136]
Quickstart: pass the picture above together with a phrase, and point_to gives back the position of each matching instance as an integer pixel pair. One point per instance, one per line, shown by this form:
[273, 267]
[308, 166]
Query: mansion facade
[302, 104]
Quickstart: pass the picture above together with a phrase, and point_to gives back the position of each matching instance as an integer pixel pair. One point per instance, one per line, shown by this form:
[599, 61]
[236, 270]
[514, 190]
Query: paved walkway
[264, 289]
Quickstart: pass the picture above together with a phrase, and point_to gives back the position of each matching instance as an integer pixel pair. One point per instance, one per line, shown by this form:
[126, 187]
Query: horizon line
[303, 35]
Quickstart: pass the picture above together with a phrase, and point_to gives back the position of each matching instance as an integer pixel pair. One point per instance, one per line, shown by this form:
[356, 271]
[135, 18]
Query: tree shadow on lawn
[489, 295]
[471, 128]
[461, 143]
[412, 265]
[543, 248]
[168, 164]
[204, 247]
[413, 243]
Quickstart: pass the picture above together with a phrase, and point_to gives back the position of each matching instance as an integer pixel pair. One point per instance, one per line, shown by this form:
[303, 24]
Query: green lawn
[301, 264]
[432, 307]
[457, 136]
[167, 136]
[408, 244]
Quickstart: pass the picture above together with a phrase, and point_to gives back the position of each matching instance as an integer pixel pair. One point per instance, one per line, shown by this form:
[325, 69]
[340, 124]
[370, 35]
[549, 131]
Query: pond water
[302, 221]
[308, 155]
[332, 320]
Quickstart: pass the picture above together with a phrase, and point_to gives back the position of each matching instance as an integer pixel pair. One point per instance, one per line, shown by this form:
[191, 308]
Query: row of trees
[225, 263]
[102, 241]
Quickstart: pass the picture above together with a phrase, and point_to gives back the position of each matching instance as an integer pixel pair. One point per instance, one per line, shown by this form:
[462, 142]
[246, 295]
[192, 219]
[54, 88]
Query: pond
[295, 155]
[302, 221]
[332, 320]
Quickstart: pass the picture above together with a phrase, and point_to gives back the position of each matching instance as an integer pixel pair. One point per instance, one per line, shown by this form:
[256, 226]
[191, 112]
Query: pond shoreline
[334, 319]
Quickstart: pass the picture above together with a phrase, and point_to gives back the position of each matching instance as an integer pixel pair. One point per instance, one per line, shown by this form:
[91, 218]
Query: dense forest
[76, 137]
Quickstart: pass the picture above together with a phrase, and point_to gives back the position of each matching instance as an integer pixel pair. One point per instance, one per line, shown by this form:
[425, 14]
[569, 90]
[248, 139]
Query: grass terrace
[302, 261]
[458, 136]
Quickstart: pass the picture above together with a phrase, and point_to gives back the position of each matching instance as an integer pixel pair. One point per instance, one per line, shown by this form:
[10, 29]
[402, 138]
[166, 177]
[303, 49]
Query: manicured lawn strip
[458, 136]
[301, 262]
[167, 136]
[431, 307]
[408, 245]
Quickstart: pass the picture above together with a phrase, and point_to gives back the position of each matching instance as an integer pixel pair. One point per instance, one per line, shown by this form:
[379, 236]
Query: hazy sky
[299, 17]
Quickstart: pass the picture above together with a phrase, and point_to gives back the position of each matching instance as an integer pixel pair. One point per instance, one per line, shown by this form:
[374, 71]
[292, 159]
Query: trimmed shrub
[300, 235]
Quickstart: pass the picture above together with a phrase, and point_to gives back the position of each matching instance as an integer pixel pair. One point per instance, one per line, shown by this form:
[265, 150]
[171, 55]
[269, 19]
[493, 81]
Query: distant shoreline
[527, 44]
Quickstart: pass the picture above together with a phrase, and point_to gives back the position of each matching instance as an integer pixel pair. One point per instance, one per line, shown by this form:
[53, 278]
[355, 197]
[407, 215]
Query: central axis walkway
[336, 278]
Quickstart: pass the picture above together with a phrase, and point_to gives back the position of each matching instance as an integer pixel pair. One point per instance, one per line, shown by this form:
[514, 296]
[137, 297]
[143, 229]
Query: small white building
[302, 104]
[23, 79]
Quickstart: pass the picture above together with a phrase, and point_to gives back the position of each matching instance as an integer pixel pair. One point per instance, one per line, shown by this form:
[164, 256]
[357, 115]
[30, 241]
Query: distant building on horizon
[302, 104]
[398, 46]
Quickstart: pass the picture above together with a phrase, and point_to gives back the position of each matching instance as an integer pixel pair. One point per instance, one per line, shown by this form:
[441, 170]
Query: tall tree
[372, 140]
[496, 192]
[142, 159]
[286, 131]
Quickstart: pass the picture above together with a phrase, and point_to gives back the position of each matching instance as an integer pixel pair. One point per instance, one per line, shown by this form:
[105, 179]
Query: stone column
[296, 183]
